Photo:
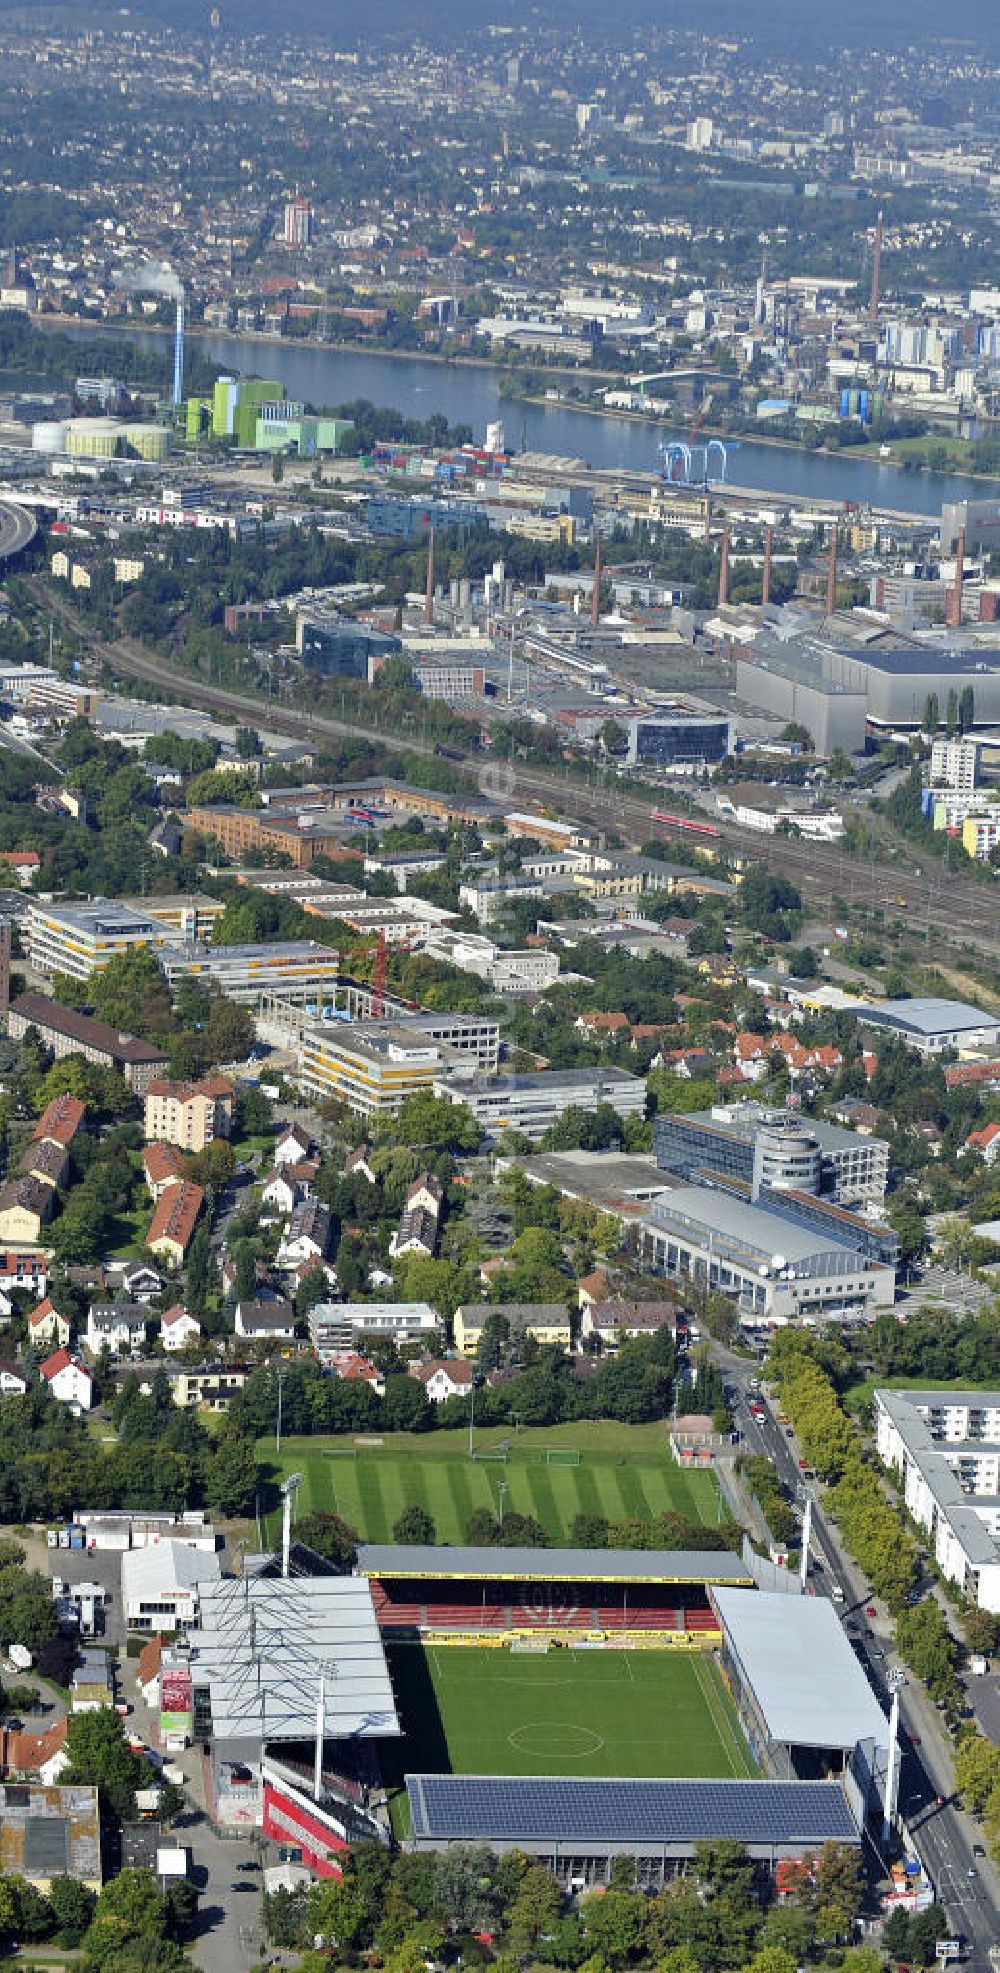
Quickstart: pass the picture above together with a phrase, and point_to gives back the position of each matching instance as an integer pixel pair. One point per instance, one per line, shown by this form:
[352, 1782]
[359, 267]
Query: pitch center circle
[550, 1738]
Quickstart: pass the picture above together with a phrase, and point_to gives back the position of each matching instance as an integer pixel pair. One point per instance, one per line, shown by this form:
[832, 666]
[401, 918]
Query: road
[967, 1886]
[17, 527]
[958, 912]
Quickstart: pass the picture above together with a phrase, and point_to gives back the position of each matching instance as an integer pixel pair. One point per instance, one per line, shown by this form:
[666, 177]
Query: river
[469, 394]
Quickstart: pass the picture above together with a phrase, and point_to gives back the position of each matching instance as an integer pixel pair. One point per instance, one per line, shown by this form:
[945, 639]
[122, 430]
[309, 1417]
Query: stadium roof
[793, 1656]
[262, 1645]
[634, 1814]
[643, 1565]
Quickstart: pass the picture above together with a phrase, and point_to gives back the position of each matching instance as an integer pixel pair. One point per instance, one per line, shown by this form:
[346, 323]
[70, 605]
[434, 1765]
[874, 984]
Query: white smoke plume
[156, 277]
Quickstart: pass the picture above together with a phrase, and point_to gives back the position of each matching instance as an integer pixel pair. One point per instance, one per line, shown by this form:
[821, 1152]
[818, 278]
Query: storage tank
[93, 438]
[49, 436]
[149, 441]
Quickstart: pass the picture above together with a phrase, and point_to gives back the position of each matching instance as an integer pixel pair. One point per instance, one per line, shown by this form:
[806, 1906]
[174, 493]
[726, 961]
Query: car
[242, 1887]
[803, 1465]
[915, 1740]
[978, 1850]
[870, 1610]
[789, 1432]
[837, 1593]
[972, 1871]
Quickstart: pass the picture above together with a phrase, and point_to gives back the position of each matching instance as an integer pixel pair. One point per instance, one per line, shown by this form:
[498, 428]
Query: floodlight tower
[806, 1532]
[896, 1682]
[289, 1488]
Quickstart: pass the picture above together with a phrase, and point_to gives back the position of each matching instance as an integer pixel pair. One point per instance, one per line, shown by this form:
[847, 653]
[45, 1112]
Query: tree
[924, 1640]
[433, 1123]
[73, 1905]
[535, 1909]
[979, 1628]
[414, 1528]
[232, 1476]
[932, 714]
[330, 1537]
[99, 1754]
[614, 739]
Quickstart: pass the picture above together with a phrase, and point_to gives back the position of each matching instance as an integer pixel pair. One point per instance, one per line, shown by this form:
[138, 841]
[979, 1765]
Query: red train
[685, 822]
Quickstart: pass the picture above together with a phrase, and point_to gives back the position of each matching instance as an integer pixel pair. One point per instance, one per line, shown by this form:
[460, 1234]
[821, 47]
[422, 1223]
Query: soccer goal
[562, 1456]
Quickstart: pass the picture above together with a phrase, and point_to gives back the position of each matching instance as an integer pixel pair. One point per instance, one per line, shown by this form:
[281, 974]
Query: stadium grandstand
[660, 1595]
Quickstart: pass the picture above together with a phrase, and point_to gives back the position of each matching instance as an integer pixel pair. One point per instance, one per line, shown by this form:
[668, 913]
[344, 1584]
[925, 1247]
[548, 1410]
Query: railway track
[962, 915]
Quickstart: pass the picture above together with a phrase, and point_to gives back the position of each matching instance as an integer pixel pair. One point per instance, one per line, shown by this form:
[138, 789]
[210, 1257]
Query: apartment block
[945, 1447]
[188, 1114]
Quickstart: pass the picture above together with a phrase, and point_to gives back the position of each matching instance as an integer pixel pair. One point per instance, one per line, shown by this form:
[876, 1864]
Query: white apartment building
[945, 1447]
[530, 1103]
[337, 1326]
[527, 971]
[955, 764]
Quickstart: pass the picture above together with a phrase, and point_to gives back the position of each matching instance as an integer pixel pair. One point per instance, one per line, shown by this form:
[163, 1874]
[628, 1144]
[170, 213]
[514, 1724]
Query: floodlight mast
[806, 1532]
[897, 1680]
[289, 1488]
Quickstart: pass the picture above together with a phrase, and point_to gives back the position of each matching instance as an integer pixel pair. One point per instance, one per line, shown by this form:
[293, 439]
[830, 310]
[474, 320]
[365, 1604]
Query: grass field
[623, 1471]
[467, 1710]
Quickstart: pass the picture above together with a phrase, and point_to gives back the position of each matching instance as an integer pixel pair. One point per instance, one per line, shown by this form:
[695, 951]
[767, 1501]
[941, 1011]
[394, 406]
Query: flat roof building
[945, 1448]
[929, 1024]
[775, 1269]
[530, 1103]
[774, 1149]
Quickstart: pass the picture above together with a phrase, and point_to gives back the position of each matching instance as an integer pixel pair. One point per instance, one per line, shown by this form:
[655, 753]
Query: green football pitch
[471, 1710]
[623, 1473]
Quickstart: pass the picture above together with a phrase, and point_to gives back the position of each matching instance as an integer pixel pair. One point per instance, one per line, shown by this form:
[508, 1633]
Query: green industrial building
[256, 414]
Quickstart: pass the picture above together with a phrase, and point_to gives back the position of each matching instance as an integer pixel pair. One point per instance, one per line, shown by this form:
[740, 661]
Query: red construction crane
[379, 977]
[703, 410]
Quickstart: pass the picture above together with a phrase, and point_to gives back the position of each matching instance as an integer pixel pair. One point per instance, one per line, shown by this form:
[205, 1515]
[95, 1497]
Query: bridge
[17, 527]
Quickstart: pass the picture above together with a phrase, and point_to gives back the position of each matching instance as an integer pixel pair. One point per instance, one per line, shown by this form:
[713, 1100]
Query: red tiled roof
[176, 1214]
[60, 1120]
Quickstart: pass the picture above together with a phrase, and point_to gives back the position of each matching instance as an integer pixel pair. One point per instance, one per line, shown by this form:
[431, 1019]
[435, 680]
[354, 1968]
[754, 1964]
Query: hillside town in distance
[499, 997]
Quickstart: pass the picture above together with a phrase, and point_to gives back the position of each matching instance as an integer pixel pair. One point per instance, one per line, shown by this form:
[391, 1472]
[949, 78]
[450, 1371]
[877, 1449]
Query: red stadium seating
[495, 1606]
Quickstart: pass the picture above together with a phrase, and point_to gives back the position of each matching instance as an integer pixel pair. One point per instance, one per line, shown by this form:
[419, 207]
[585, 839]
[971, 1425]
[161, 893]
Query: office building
[775, 1270]
[79, 939]
[337, 647]
[530, 1103]
[527, 971]
[662, 739]
[372, 1065]
[944, 1447]
[773, 1150]
[302, 969]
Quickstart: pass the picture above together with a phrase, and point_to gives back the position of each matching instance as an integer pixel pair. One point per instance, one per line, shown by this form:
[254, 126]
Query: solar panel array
[565, 1810]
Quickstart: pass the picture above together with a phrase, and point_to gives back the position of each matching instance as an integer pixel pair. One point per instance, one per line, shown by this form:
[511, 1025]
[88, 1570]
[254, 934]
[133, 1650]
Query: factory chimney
[768, 550]
[831, 574]
[179, 354]
[429, 591]
[876, 274]
[724, 571]
[953, 601]
[595, 593]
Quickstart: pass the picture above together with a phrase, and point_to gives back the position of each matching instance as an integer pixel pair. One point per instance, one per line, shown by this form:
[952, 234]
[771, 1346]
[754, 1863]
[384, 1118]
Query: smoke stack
[768, 548]
[831, 574]
[953, 601]
[876, 274]
[595, 594]
[724, 571]
[429, 591]
[179, 355]
[707, 536]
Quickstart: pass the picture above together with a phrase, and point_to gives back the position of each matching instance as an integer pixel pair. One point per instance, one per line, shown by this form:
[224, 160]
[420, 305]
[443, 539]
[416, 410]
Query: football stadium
[578, 1705]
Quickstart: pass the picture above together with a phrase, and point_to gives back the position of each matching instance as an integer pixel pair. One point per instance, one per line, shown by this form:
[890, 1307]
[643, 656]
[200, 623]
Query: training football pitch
[623, 1473]
[471, 1710]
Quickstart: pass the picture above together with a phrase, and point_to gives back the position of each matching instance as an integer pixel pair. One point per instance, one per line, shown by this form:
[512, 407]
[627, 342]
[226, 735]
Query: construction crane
[703, 410]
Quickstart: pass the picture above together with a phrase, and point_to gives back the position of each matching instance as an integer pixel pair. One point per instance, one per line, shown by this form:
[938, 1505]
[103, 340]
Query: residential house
[13, 1382]
[985, 1142]
[189, 1114]
[419, 1225]
[25, 1207]
[281, 1191]
[202, 1386]
[308, 1234]
[60, 1120]
[546, 1322]
[609, 1320]
[142, 1282]
[162, 1165]
[358, 1165]
[70, 1382]
[444, 1377]
[178, 1327]
[43, 1754]
[265, 1321]
[29, 1270]
[292, 1145]
[119, 1327]
[593, 1288]
[348, 1364]
[147, 1671]
[601, 1027]
[6, 1308]
[47, 1325]
[46, 1161]
[171, 1229]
